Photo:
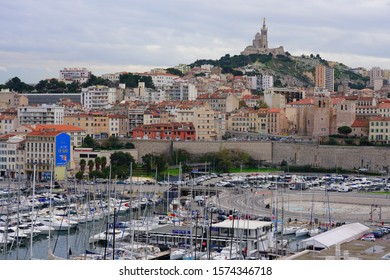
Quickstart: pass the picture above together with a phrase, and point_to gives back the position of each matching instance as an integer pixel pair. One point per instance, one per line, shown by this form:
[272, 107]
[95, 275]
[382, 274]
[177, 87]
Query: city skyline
[41, 38]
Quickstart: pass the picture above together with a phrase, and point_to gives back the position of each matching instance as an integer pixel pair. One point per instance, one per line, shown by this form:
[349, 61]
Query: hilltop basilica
[260, 44]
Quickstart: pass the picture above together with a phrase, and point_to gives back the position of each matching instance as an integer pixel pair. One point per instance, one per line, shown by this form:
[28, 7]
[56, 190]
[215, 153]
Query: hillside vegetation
[287, 70]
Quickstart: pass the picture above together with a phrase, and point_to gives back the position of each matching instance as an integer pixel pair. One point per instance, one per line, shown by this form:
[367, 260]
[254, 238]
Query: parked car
[385, 230]
[369, 237]
[377, 233]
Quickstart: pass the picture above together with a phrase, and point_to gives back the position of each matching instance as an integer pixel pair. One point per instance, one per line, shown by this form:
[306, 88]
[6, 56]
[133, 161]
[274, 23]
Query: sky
[39, 38]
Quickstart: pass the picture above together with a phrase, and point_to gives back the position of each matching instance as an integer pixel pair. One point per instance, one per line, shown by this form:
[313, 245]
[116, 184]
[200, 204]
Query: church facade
[260, 44]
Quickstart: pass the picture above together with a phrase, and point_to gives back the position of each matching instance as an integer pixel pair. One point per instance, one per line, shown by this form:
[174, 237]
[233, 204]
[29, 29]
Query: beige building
[16, 157]
[12, 100]
[154, 116]
[360, 128]
[276, 121]
[98, 124]
[311, 117]
[205, 124]
[118, 125]
[379, 130]
[8, 123]
[221, 102]
[84, 121]
[40, 152]
[280, 97]
[345, 113]
[244, 120]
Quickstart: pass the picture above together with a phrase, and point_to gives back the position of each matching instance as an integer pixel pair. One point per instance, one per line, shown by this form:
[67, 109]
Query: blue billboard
[62, 149]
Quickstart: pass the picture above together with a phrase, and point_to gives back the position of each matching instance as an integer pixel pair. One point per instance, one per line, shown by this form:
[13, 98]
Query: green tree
[152, 161]
[91, 164]
[88, 142]
[242, 104]
[79, 175]
[344, 130]
[129, 145]
[15, 84]
[82, 164]
[132, 80]
[174, 71]
[98, 162]
[120, 163]
[112, 142]
[262, 104]
[104, 162]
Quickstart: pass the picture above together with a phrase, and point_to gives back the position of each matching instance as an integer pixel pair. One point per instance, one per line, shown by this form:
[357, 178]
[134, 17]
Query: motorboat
[109, 235]
[302, 232]
[290, 230]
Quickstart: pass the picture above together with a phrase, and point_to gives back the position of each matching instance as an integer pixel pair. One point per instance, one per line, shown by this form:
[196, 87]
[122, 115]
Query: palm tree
[98, 162]
[83, 164]
[91, 164]
[104, 162]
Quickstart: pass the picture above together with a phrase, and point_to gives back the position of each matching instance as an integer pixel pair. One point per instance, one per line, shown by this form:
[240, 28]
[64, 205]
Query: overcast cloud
[39, 38]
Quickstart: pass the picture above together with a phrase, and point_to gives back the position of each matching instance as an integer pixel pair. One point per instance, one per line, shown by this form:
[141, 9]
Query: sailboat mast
[32, 211]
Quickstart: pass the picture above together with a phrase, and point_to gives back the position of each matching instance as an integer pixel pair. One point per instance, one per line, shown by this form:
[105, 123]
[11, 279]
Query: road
[308, 205]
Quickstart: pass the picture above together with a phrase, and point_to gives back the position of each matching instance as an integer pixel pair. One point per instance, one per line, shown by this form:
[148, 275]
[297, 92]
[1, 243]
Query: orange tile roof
[384, 105]
[306, 101]
[274, 110]
[44, 133]
[56, 127]
[360, 123]
[379, 118]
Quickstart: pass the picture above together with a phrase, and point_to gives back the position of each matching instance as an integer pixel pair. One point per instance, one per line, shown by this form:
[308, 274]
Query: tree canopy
[344, 130]
[132, 80]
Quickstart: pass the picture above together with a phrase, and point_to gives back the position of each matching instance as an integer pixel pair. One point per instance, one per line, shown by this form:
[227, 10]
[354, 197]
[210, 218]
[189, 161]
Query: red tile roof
[360, 123]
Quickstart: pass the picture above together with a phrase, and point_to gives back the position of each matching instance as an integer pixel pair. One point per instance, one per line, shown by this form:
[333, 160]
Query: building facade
[324, 77]
[98, 97]
[80, 75]
[44, 114]
[166, 131]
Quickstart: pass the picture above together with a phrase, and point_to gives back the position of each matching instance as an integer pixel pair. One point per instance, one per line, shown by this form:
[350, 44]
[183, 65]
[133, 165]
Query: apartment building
[251, 100]
[376, 78]
[118, 125]
[379, 130]
[205, 124]
[7, 123]
[244, 120]
[279, 97]
[43, 151]
[154, 116]
[166, 131]
[12, 99]
[161, 80]
[98, 97]
[324, 77]
[44, 114]
[14, 156]
[69, 75]
[221, 101]
[181, 90]
[276, 121]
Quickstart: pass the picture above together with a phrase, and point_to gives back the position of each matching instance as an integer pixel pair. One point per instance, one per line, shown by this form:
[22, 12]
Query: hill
[287, 70]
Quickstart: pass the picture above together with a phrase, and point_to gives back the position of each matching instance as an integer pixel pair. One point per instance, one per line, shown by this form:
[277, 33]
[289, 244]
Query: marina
[247, 216]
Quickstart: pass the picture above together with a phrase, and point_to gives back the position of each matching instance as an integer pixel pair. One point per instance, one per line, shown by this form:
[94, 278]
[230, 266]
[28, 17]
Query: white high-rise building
[44, 114]
[80, 75]
[267, 82]
[98, 97]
